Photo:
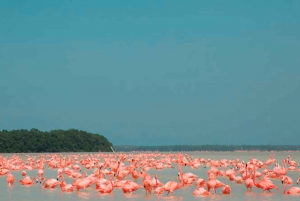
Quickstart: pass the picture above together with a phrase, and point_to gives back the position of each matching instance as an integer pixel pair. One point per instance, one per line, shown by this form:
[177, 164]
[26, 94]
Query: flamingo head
[35, 179]
[59, 176]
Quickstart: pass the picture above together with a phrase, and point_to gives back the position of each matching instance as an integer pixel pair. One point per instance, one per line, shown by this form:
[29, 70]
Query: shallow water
[238, 191]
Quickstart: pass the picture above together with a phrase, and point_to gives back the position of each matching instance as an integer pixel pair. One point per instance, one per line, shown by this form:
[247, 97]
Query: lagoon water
[238, 191]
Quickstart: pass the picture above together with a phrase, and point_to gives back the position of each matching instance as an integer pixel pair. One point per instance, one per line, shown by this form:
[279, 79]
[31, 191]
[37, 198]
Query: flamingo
[188, 178]
[40, 172]
[270, 160]
[147, 184]
[119, 183]
[199, 182]
[286, 179]
[289, 161]
[130, 186]
[155, 182]
[226, 189]
[200, 190]
[106, 188]
[248, 181]
[213, 183]
[63, 186]
[84, 183]
[264, 184]
[10, 179]
[28, 181]
[50, 183]
[4, 171]
[158, 186]
[171, 186]
[135, 174]
[292, 190]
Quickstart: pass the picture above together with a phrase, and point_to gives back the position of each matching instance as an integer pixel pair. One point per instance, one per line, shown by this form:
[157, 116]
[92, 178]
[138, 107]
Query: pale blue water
[238, 193]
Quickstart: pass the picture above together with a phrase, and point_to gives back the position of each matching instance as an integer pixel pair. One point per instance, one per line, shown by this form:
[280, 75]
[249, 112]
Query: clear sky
[153, 72]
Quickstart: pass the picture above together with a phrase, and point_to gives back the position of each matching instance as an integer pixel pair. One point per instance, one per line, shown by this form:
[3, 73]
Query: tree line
[209, 148]
[36, 141]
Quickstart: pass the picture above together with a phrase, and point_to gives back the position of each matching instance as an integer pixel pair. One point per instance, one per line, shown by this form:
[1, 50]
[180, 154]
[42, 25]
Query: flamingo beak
[282, 182]
[297, 183]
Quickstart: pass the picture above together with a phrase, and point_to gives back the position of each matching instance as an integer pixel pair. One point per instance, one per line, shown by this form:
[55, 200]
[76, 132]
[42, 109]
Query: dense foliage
[210, 148]
[33, 140]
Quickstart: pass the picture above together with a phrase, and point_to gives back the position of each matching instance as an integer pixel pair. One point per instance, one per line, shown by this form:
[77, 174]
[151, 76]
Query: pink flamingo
[10, 179]
[130, 186]
[155, 182]
[158, 186]
[248, 181]
[147, 184]
[270, 160]
[4, 171]
[171, 186]
[226, 189]
[119, 183]
[40, 172]
[200, 190]
[213, 183]
[264, 184]
[28, 181]
[50, 183]
[135, 174]
[289, 161]
[292, 190]
[106, 188]
[188, 178]
[84, 183]
[63, 186]
[23, 173]
[286, 179]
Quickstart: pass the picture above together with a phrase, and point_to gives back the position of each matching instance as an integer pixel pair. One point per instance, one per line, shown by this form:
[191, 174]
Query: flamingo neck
[145, 174]
[180, 175]
[112, 186]
[254, 169]
[284, 189]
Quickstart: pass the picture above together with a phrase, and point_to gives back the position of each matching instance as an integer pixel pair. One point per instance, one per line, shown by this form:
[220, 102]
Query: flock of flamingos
[130, 172]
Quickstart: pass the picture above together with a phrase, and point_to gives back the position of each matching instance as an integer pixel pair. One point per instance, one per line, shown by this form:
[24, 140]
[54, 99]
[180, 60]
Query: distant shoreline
[210, 148]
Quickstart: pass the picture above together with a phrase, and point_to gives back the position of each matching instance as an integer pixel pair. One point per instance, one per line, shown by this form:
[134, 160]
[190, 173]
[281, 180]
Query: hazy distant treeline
[209, 148]
[25, 141]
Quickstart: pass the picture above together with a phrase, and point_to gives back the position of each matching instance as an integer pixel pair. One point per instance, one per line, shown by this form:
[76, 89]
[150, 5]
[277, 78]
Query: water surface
[238, 192]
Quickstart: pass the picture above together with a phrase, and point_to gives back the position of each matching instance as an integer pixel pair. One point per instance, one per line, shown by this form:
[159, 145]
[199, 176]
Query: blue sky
[153, 72]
